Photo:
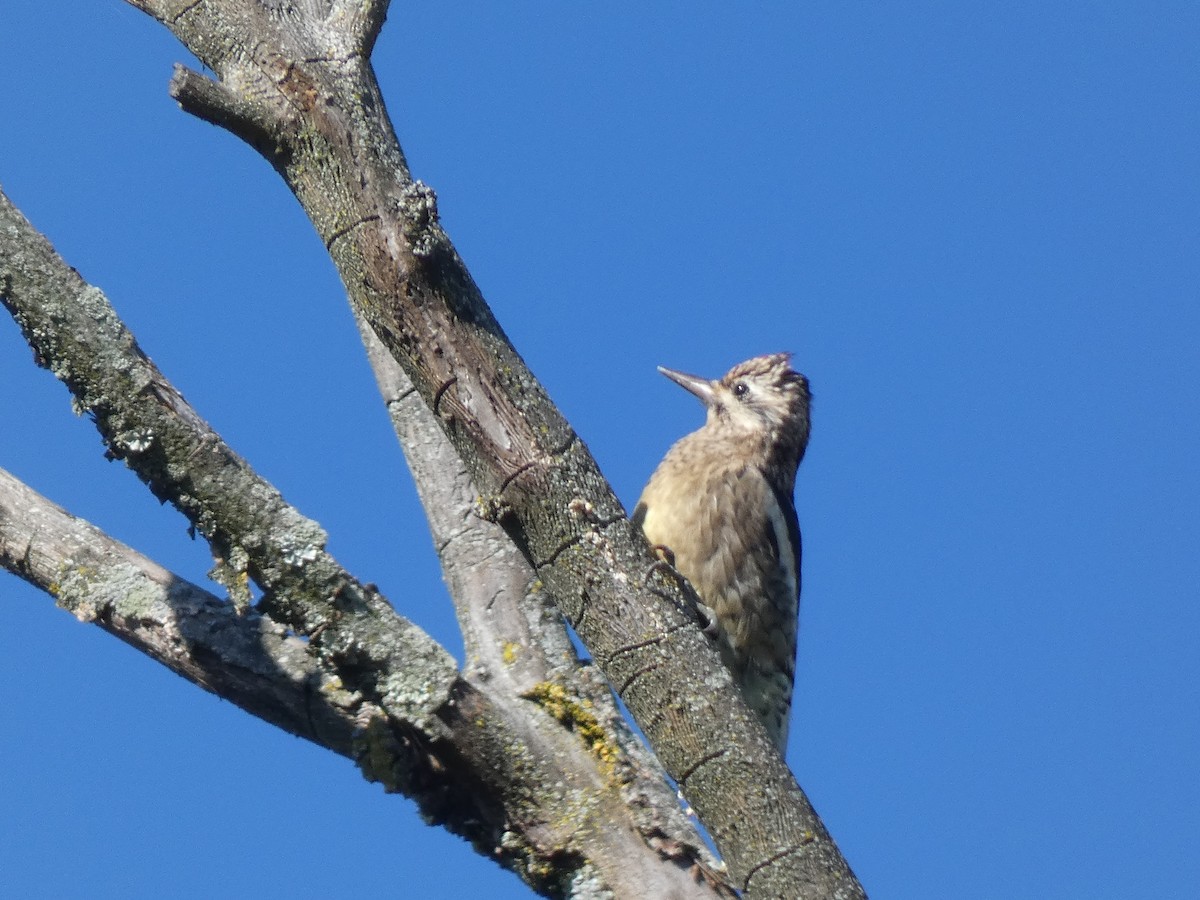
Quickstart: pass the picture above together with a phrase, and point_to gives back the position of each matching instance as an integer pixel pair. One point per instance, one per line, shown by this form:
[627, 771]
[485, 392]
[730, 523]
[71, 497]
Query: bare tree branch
[538, 797]
[294, 80]
[307, 99]
[245, 658]
[487, 577]
[517, 645]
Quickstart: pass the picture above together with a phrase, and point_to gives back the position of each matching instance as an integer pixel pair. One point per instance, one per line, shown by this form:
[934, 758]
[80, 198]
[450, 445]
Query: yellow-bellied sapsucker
[721, 503]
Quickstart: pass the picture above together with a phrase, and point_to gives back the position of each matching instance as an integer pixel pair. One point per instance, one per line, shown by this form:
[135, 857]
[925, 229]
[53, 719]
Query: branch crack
[700, 763]
[771, 860]
[339, 233]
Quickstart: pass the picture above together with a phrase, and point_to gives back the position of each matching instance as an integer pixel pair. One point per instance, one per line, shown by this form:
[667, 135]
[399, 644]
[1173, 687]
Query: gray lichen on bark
[294, 81]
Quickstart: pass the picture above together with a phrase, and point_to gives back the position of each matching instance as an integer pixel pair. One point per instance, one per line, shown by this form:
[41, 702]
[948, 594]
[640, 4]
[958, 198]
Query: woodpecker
[721, 503]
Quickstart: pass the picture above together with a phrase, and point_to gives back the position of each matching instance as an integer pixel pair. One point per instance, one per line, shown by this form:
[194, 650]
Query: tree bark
[295, 81]
[244, 658]
[486, 764]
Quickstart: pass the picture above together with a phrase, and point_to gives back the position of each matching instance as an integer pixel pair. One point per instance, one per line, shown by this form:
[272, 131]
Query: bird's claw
[666, 564]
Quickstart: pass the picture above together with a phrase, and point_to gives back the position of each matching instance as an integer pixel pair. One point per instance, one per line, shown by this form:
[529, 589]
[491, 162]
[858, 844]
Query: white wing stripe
[783, 540]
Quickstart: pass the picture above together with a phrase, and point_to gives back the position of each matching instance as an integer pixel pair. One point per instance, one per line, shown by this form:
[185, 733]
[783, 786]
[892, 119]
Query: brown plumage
[721, 503]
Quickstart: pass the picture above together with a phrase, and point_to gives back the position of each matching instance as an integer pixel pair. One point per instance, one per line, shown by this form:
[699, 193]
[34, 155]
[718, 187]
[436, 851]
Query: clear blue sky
[977, 227]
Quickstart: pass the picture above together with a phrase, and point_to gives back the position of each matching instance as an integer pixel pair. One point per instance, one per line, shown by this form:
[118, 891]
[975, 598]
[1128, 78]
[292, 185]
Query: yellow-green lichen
[576, 714]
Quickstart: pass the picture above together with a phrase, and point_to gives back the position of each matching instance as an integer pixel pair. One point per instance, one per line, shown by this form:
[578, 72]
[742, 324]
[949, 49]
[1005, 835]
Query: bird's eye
[740, 389]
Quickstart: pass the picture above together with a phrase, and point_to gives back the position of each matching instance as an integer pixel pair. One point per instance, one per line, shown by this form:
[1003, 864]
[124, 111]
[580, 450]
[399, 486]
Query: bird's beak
[701, 387]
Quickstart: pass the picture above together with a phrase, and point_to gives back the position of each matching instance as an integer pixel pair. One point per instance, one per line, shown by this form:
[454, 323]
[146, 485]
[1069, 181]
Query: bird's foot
[666, 564]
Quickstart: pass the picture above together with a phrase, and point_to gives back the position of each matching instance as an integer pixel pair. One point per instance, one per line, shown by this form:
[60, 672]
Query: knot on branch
[419, 218]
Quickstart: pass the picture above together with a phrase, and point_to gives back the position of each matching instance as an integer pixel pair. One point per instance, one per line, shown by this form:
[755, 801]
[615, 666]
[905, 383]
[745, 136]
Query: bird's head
[762, 397]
